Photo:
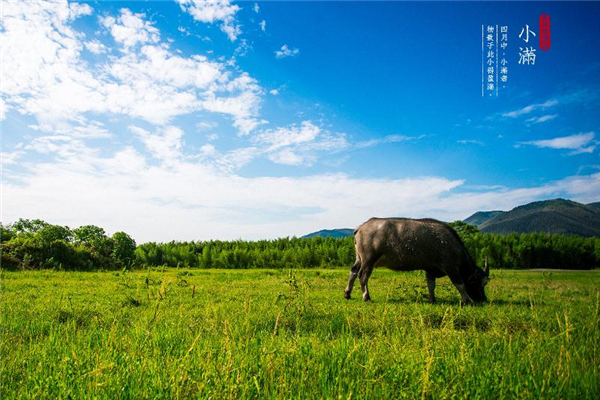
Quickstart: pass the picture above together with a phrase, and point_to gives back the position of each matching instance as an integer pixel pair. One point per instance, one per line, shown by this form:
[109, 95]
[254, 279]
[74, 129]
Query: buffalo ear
[487, 268]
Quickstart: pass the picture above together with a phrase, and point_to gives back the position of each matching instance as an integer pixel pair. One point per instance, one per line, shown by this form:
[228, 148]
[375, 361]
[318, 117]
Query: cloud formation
[470, 141]
[530, 108]
[44, 74]
[190, 200]
[131, 29]
[579, 143]
[214, 11]
[389, 139]
[285, 51]
[297, 144]
[539, 120]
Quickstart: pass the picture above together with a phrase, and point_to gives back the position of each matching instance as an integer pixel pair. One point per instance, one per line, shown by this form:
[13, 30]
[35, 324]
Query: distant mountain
[550, 216]
[334, 233]
[558, 216]
[481, 217]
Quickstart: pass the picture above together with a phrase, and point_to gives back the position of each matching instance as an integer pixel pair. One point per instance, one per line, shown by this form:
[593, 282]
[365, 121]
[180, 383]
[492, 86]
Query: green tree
[28, 226]
[90, 235]
[50, 233]
[123, 248]
[6, 234]
[464, 230]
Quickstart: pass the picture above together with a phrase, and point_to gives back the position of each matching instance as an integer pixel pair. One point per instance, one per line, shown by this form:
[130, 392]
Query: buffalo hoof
[347, 295]
[367, 298]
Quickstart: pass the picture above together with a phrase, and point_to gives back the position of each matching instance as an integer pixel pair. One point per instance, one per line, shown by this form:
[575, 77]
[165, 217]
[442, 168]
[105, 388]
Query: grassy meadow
[291, 334]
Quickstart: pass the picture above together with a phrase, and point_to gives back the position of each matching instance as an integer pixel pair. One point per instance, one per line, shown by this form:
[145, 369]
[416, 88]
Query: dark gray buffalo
[403, 244]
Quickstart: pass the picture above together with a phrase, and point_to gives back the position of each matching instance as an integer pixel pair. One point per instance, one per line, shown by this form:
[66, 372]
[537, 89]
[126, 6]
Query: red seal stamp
[545, 32]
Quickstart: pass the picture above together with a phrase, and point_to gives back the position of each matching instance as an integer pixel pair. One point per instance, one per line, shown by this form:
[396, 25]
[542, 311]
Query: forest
[36, 244]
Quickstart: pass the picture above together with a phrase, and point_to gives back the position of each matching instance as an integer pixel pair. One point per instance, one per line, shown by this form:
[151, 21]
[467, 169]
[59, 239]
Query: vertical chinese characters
[503, 61]
[496, 59]
[490, 60]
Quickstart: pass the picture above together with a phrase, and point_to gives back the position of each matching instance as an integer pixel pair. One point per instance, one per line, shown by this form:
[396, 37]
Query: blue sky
[181, 120]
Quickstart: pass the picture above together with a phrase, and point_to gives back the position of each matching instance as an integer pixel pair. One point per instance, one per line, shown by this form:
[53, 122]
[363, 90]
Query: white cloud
[256, 8]
[533, 107]
[298, 144]
[131, 29]
[285, 51]
[205, 125]
[213, 11]
[287, 156]
[247, 125]
[158, 74]
[539, 120]
[389, 139]
[190, 201]
[242, 103]
[40, 53]
[156, 65]
[263, 25]
[580, 143]
[274, 92]
[583, 150]
[327, 141]
[470, 141]
[43, 74]
[165, 144]
[71, 152]
[183, 30]
[208, 150]
[227, 162]
[95, 46]
[281, 137]
[291, 145]
[77, 10]
[403, 138]
[91, 130]
[3, 109]
[10, 158]
[86, 130]
[240, 51]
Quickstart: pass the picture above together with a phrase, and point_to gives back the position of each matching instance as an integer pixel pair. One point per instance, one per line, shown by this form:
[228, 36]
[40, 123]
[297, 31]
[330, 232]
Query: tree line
[35, 244]
[529, 250]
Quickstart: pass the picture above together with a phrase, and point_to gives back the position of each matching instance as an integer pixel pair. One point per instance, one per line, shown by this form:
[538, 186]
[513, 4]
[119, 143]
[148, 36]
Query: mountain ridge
[334, 233]
[556, 216]
[481, 217]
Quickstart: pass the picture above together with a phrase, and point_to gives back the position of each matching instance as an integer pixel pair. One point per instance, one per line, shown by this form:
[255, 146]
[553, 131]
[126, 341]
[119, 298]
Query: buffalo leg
[462, 289]
[431, 286]
[364, 274]
[353, 274]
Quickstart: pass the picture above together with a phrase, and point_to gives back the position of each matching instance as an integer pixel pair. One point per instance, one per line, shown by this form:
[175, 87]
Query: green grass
[266, 333]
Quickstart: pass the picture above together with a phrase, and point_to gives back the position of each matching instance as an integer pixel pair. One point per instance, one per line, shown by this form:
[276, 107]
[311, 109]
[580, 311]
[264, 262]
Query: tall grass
[282, 334]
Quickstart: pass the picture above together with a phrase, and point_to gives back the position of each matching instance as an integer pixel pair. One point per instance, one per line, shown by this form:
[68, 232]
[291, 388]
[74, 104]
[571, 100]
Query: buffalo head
[476, 284]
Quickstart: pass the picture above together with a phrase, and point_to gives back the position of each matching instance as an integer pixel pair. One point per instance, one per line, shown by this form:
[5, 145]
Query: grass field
[276, 334]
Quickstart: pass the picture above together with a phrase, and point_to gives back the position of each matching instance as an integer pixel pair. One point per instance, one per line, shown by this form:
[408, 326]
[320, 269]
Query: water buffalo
[404, 244]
